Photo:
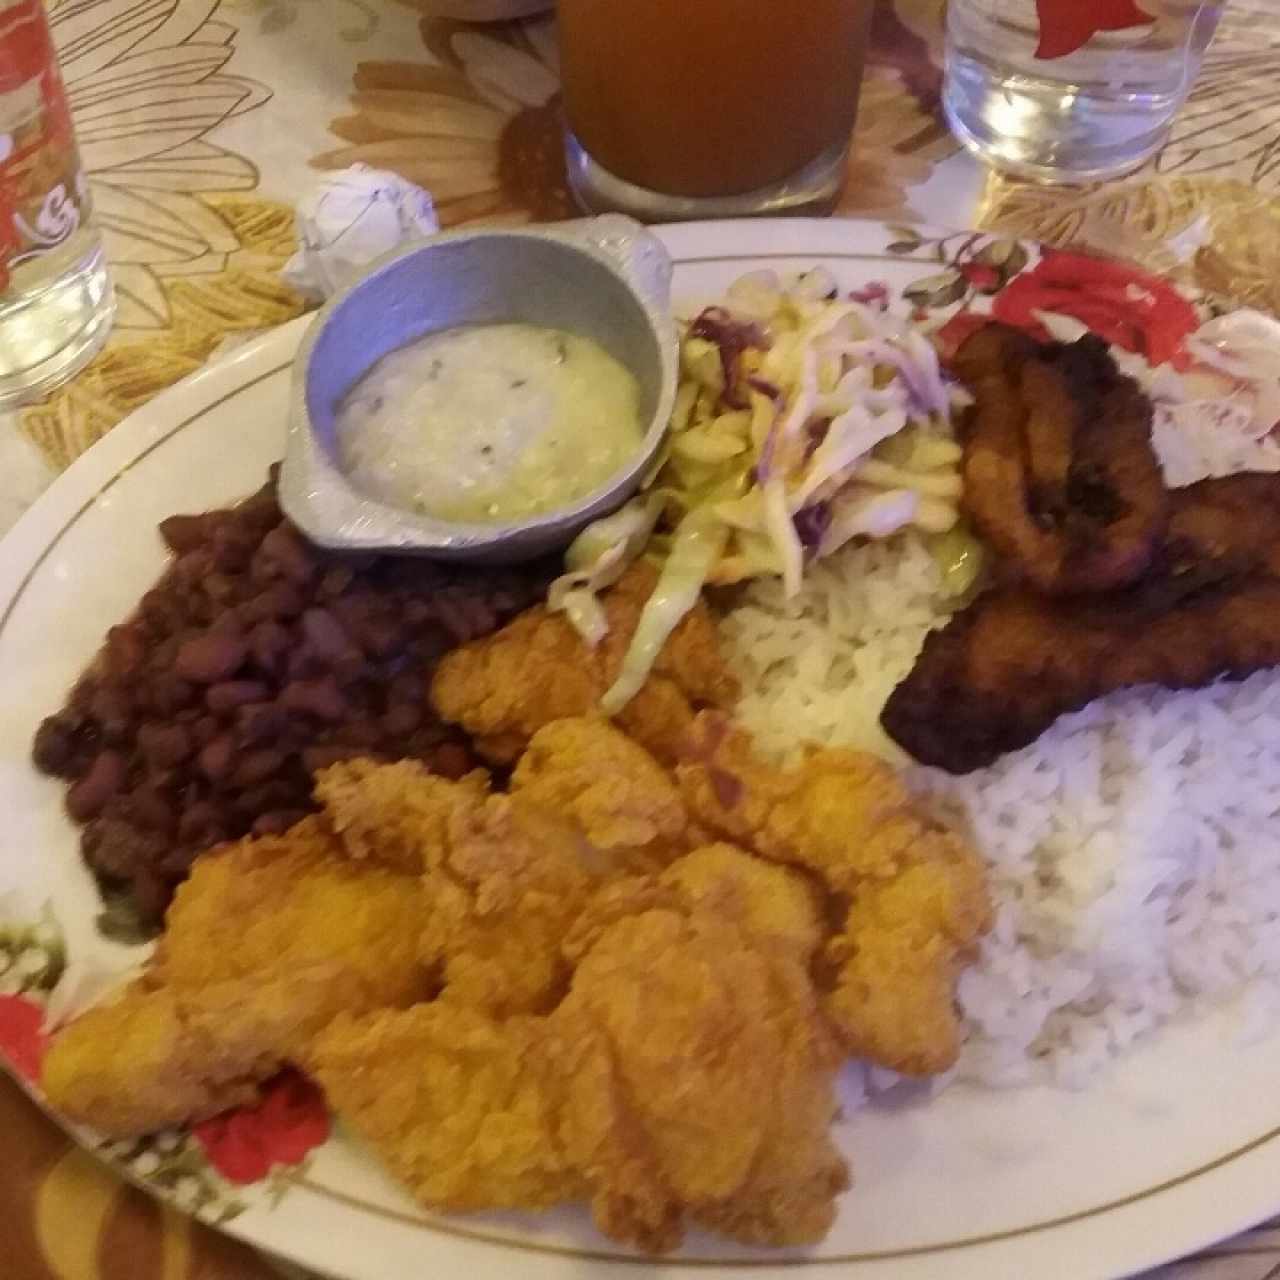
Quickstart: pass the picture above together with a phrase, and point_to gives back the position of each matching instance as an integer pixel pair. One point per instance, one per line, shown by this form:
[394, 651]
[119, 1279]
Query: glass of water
[1071, 90]
[56, 303]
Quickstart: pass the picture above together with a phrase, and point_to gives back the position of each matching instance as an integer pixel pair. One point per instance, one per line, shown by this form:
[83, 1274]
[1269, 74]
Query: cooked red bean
[261, 722]
[166, 694]
[89, 796]
[215, 758]
[284, 554]
[210, 657]
[325, 634]
[257, 766]
[255, 660]
[204, 729]
[281, 600]
[112, 709]
[220, 587]
[230, 694]
[337, 580]
[402, 719]
[185, 533]
[175, 865]
[54, 751]
[269, 643]
[380, 637]
[233, 548]
[359, 733]
[164, 744]
[320, 698]
[316, 758]
[125, 651]
[198, 821]
[119, 850]
[194, 567]
[150, 809]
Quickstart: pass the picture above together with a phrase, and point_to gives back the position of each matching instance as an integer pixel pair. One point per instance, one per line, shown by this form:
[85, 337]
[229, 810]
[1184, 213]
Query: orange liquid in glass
[711, 97]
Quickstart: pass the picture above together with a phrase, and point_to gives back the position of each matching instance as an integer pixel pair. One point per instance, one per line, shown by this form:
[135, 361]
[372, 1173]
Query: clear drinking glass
[1071, 90]
[710, 108]
[56, 303]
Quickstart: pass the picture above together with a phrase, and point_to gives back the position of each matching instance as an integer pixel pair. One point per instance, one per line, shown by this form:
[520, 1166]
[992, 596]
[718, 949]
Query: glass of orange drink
[710, 108]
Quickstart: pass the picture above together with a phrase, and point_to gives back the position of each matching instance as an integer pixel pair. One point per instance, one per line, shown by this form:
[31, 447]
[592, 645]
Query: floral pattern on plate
[201, 1169]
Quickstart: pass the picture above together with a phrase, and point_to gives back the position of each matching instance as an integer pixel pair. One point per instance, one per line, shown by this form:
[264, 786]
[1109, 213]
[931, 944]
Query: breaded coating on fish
[912, 896]
[134, 1064]
[686, 1076]
[613, 790]
[264, 944]
[513, 1016]
[537, 669]
[448, 1097]
[504, 876]
[510, 881]
[394, 814]
[779, 908]
[698, 1082]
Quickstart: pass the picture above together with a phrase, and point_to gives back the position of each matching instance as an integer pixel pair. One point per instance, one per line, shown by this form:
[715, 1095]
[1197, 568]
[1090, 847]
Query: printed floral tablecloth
[200, 121]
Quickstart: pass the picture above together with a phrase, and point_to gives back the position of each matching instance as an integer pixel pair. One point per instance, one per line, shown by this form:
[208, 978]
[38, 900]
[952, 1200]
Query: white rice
[1134, 849]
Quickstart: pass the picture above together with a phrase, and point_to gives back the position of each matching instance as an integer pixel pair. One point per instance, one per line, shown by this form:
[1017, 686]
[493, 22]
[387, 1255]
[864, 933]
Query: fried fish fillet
[698, 1081]
[910, 897]
[503, 689]
[505, 875]
[1004, 668]
[780, 909]
[264, 944]
[750, 918]
[500, 880]
[1060, 474]
[450, 1098]
[608, 786]
[687, 1074]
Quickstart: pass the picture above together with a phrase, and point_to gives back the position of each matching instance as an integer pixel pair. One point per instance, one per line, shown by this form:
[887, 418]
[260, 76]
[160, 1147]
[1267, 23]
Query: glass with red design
[1071, 90]
[56, 303]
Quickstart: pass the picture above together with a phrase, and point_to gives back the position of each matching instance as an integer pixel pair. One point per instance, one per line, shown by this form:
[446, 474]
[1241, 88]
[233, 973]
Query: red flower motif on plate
[288, 1121]
[981, 275]
[1068, 25]
[1127, 307]
[22, 1037]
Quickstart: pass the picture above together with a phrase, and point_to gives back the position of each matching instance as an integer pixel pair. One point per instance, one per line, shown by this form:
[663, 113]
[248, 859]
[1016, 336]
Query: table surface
[200, 121]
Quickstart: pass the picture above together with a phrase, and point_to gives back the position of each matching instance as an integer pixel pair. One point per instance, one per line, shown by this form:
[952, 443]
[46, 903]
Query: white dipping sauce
[489, 422]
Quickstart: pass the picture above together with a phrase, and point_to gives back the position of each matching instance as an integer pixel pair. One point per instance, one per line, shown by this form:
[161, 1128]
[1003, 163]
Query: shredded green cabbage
[597, 558]
[797, 410]
[698, 543]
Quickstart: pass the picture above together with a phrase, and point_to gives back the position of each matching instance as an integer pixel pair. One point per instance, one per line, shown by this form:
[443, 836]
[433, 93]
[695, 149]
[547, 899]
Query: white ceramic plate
[1178, 1147]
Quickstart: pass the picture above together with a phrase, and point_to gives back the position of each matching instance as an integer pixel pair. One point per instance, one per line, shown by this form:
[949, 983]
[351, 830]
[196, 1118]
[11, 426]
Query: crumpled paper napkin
[350, 218]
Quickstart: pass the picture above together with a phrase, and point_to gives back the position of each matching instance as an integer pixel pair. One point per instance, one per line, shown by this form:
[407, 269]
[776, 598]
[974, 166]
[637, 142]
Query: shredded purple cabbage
[762, 470]
[766, 388]
[812, 524]
[732, 337]
[924, 398]
[815, 434]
